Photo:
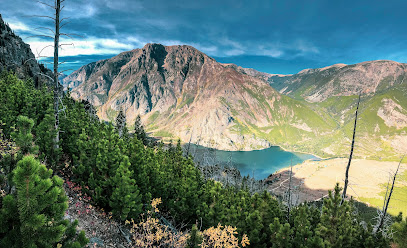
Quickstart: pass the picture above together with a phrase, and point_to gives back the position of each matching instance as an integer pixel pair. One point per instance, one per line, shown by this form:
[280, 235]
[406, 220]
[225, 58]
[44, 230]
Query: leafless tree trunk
[351, 154]
[382, 216]
[189, 144]
[289, 191]
[56, 62]
[59, 23]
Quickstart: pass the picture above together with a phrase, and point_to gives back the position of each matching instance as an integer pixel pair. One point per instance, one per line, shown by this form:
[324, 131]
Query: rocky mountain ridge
[17, 56]
[181, 92]
[317, 85]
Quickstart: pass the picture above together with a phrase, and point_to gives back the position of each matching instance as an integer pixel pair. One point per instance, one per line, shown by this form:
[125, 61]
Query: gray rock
[17, 56]
[97, 241]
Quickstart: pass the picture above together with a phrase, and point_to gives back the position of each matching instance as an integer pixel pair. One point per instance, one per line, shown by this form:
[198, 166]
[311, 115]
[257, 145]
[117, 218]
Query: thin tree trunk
[189, 144]
[381, 221]
[351, 154]
[56, 83]
[289, 190]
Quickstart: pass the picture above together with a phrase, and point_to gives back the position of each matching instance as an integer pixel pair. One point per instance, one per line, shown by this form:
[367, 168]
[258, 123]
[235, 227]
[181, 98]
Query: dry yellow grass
[315, 178]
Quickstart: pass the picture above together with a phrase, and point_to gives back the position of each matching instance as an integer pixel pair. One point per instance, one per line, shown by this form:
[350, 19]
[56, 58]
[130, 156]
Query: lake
[257, 163]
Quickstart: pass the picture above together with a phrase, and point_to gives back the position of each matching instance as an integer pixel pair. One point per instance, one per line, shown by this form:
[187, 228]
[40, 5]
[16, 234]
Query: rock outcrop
[17, 56]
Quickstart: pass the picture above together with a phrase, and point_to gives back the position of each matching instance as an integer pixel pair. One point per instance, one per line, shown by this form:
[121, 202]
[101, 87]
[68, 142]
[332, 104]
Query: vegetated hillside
[122, 176]
[181, 92]
[116, 172]
[17, 56]
[382, 129]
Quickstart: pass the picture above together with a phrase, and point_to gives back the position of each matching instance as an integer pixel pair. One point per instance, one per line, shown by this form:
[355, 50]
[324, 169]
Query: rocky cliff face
[181, 92]
[317, 85]
[17, 56]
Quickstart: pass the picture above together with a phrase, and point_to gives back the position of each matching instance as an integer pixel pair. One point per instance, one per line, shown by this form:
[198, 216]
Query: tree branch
[39, 35]
[53, 7]
[46, 29]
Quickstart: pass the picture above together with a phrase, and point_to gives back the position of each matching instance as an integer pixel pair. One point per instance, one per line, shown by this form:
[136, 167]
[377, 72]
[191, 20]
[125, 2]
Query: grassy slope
[285, 112]
[339, 112]
[398, 201]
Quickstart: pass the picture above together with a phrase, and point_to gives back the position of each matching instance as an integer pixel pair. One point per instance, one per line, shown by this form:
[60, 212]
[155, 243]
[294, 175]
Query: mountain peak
[153, 46]
[180, 90]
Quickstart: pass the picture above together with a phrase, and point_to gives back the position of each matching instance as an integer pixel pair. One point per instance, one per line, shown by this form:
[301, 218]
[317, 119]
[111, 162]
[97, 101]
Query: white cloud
[124, 5]
[305, 47]
[18, 26]
[231, 43]
[90, 46]
[80, 10]
[234, 52]
[206, 49]
[274, 50]
[223, 48]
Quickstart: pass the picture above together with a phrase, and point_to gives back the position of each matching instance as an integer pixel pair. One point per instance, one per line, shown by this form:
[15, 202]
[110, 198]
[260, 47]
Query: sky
[281, 37]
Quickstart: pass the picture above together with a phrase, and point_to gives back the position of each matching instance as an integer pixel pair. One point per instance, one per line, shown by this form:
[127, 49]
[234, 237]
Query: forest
[155, 189]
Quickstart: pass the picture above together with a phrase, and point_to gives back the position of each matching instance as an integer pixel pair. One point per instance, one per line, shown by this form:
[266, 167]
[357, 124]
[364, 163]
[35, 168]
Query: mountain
[181, 92]
[317, 85]
[252, 72]
[333, 90]
[17, 56]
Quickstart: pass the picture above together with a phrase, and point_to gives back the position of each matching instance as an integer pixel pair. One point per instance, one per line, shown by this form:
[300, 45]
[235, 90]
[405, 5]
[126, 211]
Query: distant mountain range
[333, 90]
[317, 85]
[181, 92]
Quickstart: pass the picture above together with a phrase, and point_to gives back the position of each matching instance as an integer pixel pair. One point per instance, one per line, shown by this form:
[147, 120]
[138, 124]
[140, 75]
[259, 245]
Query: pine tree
[139, 131]
[125, 200]
[121, 123]
[45, 140]
[281, 234]
[337, 226]
[400, 233]
[303, 234]
[253, 227]
[24, 137]
[33, 217]
[195, 238]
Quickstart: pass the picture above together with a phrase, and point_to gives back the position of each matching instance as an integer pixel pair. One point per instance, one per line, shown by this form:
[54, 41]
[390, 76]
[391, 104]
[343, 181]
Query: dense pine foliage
[122, 174]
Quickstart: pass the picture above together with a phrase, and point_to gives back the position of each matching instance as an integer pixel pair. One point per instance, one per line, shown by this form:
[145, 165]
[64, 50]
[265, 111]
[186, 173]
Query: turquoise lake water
[258, 163]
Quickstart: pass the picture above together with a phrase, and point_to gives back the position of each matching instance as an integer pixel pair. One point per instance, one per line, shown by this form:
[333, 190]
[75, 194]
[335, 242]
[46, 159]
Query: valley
[182, 93]
[239, 113]
[159, 144]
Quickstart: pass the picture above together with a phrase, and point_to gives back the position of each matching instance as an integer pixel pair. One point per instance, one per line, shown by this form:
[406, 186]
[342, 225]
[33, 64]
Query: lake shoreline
[260, 163]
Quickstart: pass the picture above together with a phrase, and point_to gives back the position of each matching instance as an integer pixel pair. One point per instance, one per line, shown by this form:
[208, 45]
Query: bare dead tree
[121, 122]
[56, 83]
[383, 218]
[351, 153]
[289, 191]
[189, 144]
[58, 24]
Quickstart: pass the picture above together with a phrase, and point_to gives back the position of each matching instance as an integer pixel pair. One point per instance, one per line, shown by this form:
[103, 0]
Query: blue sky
[283, 36]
